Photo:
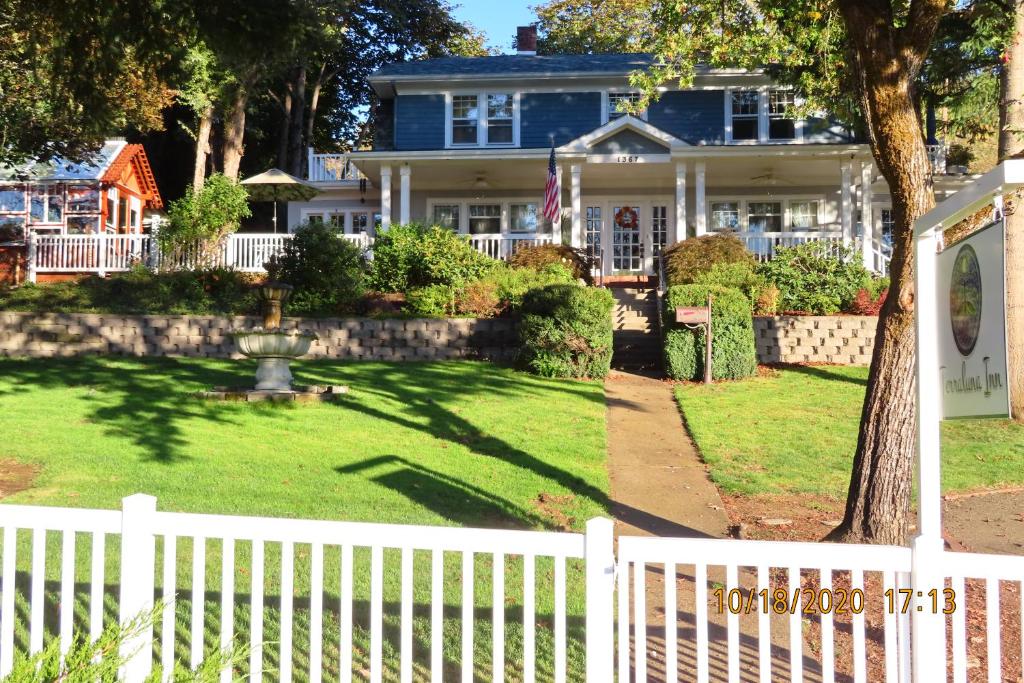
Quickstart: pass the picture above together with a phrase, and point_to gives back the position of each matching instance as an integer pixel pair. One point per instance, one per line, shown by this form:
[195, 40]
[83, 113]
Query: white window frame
[481, 125]
[762, 119]
[606, 103]
[787, 217]
[506, 211]
[347, 221]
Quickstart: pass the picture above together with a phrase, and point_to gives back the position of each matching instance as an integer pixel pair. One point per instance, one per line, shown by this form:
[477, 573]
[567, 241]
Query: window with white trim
[780, 126]
[46, 204]
[465, 119]
[725, 216]
[523, 217]
[745, 115]
[888, 224]
[764, 216]
[360, 222]
[484, 219]
[12, 199]
[447, 216]
[803, 214]
[659, 227]
[486, 119]
[620, 102]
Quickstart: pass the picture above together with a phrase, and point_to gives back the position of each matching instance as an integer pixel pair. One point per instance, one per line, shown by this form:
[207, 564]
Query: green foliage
[815, 278]
[203, 292]
[89, 661]
[588, 27]
[685, 261]
[432, 301]
[540, 256]
[407, 257]
[733, 354]
[201, 221]
[327, 272]
[735, 275]
[566, 331]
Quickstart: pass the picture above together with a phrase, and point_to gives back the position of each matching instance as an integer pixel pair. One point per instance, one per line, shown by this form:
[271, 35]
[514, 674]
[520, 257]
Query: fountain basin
[273, 351]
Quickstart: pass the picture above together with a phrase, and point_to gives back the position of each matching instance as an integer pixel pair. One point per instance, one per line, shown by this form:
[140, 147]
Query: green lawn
[796, 431]
[467, 444]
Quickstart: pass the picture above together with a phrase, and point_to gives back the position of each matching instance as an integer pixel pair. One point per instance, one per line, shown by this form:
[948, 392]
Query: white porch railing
[246, 252]
[503, 246]
[763, 245]
[331, 168]
[725, 610]
[937, 157]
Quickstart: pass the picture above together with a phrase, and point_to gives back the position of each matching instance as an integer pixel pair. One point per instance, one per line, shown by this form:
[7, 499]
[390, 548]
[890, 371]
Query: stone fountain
[273, 348]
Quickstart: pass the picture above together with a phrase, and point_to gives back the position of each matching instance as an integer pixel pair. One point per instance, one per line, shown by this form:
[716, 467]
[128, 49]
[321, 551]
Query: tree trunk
[202, 148]
[886, 62]
[295, 152]
[234, 132]
[314, 101]
[1011, 145]
[286, 120]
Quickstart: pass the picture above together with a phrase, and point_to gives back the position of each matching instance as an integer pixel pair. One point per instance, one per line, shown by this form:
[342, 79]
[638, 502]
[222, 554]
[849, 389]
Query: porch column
[867, 218]
[385, 197]
[701, 218]
[403, 201]
[846, 201]
[577, 210]
[680, 228]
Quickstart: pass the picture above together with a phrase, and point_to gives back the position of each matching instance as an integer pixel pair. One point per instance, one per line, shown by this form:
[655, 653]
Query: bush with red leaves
[863, 304]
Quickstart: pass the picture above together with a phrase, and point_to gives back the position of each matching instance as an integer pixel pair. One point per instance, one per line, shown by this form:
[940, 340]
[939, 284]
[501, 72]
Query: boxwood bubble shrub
[685, 261]
[566, 331]
[733, 354]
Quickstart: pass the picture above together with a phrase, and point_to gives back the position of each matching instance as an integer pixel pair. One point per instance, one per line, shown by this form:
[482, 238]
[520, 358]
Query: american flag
[552, 192]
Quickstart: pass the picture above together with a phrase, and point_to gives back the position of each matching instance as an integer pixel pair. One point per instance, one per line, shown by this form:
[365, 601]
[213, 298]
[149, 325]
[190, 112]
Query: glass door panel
[627, 244]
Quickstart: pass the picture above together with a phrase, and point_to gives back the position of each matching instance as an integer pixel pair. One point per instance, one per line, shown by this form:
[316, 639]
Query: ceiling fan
[769, 179]
[479, 181]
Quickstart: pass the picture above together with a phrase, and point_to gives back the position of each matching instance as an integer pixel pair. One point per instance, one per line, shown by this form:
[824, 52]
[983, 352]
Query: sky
[497, 18]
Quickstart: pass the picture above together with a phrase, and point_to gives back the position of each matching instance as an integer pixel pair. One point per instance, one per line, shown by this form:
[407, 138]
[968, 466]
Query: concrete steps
[636, 337]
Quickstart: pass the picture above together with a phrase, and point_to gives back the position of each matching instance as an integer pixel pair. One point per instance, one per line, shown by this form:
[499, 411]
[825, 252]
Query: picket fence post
[31, 256]
[101, 253]
[138, 557]
[600, 613]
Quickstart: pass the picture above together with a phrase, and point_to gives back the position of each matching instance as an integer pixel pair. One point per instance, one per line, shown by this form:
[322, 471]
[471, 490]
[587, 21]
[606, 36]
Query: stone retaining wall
[71, 334]
[839, 339]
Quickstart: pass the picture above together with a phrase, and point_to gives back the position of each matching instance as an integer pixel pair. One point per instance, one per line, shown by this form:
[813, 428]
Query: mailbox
[690, 315]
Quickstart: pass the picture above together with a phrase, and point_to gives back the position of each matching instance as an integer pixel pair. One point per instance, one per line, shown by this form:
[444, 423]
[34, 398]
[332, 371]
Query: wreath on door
[627, 218]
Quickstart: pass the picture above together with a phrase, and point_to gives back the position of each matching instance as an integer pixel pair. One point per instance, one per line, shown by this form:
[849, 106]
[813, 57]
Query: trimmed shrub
[566, 331]
[407, 257]
[739, 276]
[815, 278]
[479, 299]
[686, 260]
[540, 256]
[512, 284]
[327, 272]
[433, 301]
[733, 354]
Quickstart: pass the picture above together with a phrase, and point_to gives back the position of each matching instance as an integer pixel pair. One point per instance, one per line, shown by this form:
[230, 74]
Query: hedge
[733, 353]
[566, 331]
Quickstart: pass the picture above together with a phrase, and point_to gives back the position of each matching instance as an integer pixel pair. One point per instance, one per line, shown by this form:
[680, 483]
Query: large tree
[861, 58]
[595, 26]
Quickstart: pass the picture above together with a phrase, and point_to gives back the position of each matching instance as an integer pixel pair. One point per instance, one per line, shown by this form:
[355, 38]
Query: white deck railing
[504, 246]
[384, 601]
[331, 168]
[763, 245]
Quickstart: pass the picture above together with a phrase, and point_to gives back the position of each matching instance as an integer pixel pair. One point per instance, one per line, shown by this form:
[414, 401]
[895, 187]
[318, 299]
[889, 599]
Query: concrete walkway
[660, 487]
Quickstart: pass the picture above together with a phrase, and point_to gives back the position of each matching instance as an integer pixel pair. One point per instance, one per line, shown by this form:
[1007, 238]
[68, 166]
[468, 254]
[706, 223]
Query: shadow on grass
[824, 372]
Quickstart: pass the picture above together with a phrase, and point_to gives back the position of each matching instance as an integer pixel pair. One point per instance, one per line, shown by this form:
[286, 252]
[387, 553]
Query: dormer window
[483, 119]
[618, 104]
[761, 116]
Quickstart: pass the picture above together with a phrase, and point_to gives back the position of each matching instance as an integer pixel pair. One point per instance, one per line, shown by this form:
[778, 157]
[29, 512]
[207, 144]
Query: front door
[627, 240]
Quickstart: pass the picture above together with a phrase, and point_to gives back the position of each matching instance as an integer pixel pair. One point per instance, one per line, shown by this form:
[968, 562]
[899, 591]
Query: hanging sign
[972, 326]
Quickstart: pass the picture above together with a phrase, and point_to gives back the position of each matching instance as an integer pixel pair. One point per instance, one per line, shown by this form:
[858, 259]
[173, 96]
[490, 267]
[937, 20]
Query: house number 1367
[628, 159]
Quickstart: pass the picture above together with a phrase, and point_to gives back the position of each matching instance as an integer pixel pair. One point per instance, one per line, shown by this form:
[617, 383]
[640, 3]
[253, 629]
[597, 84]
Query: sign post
[694, 317]
[960, 328]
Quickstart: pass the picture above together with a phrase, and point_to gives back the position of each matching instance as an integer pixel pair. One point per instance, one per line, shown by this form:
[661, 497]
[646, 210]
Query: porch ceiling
[772, 171]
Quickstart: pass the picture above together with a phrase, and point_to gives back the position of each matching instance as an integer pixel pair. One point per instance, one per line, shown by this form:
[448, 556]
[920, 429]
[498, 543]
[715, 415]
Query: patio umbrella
[277, 186]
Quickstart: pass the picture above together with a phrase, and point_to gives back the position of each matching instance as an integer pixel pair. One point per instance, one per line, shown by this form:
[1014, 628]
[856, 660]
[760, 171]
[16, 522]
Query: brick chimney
[526, 40]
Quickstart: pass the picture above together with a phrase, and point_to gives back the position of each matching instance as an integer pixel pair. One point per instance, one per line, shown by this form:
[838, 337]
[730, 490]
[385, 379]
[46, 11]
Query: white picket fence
[379, 601]
[245, 252]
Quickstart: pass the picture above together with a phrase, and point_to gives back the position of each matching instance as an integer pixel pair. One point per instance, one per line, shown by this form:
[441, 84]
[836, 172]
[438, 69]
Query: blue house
[464, 142]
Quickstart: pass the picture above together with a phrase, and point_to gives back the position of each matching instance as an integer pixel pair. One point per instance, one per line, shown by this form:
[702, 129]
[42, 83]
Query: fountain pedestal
[273, 374]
